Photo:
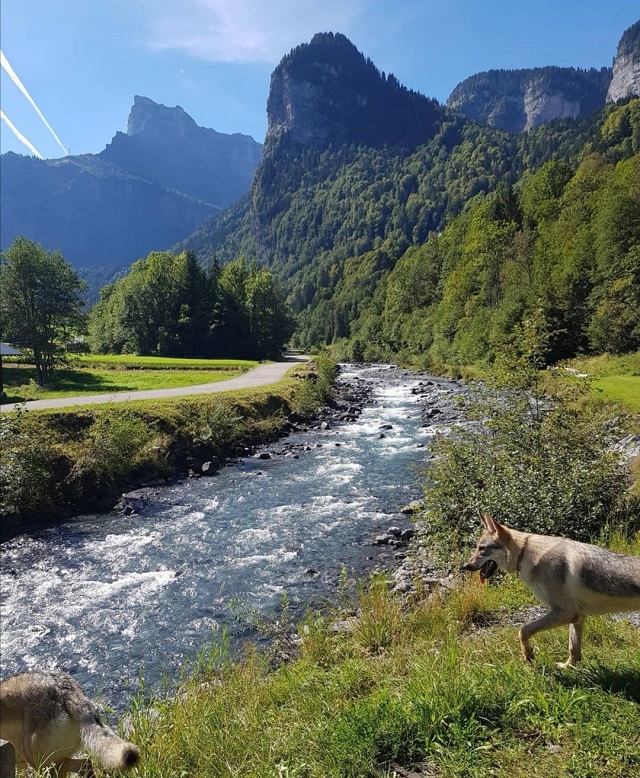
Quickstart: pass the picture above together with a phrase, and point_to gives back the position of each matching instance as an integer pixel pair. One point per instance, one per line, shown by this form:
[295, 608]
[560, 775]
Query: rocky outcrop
[625, 81]
[326, 90]
[516, 100]
[166, 146]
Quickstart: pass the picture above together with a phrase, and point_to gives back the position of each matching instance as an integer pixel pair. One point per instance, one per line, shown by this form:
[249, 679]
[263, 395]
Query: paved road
[259, 376]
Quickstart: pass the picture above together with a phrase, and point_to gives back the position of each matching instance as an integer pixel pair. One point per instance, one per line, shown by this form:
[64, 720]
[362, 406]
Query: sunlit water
[106, 597]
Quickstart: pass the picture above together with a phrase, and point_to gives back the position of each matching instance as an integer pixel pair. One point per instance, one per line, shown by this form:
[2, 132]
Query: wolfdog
[572, 579]
[47, 717]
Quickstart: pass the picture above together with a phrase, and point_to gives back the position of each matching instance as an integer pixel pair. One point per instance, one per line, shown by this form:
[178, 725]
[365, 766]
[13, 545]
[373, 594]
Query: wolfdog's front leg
[554, 618]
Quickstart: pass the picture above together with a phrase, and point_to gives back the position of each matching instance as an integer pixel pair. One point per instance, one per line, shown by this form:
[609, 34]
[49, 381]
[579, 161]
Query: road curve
[259, 376]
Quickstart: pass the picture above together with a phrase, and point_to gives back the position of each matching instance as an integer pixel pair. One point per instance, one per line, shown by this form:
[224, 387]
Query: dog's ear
[487, 522]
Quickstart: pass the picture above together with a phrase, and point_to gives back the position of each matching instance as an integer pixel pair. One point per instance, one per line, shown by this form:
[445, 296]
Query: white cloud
[245, 30]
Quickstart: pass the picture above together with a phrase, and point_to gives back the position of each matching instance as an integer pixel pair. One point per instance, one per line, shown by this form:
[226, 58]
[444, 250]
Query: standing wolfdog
[47, 717]
[572, 579]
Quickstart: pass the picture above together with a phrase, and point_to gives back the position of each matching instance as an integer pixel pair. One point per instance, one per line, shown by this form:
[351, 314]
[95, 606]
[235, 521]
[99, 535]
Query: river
[109, 597]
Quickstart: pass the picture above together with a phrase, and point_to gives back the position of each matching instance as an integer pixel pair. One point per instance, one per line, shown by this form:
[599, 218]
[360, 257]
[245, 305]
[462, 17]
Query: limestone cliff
[625, 81]
[516, 100]
[166, 146]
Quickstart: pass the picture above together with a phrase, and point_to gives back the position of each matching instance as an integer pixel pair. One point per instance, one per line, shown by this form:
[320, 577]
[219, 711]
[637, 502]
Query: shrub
[317, 387]
[220, 427]
[27, 464]
[528, 454]
[116, 443]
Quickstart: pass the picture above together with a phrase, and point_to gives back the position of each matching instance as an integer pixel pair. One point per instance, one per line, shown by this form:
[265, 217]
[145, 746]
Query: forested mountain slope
[564, 241]
[331, 213]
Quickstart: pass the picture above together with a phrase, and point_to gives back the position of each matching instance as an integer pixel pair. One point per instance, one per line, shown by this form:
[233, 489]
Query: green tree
[270, 321]
[41, 302]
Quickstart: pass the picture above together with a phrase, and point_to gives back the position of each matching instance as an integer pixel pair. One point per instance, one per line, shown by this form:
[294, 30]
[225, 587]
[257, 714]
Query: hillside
[333, 208]
[145, 191]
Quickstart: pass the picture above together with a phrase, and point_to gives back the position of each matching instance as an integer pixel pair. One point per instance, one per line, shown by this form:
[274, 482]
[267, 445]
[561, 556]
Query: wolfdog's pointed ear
[487, 522]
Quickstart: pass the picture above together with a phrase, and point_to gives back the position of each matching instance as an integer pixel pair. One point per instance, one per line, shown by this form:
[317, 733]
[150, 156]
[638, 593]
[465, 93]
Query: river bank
[145, 587]
[58, 463]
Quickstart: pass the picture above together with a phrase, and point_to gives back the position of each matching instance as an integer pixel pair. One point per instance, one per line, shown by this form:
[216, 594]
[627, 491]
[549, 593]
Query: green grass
[132, 361]
[19, 382]
[622, 389]
[439, 681]
[615, 379]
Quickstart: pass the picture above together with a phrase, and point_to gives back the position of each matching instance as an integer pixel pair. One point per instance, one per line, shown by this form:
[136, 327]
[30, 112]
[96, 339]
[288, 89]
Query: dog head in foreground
[48, 718]
[572, 579]
[495, 549]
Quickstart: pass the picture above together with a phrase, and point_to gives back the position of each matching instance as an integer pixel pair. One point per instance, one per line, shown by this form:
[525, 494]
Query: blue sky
[82, 61]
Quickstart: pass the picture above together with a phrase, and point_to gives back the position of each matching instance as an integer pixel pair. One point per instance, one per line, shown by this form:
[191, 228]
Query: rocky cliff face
[625, 81]
[516, 100]
[327, 91]
[166, 146]
[149, 188]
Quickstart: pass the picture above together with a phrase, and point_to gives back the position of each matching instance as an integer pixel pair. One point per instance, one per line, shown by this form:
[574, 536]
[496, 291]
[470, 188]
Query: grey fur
[47, 717]
[572, 579]
[613, 574]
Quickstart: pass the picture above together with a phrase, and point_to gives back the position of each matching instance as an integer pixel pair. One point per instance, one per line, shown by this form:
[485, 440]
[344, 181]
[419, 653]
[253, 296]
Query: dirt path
[259, 376]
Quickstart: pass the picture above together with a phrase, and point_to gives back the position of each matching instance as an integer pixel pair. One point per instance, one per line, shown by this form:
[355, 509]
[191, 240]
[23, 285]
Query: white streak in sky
[19, 135]
[4, 62]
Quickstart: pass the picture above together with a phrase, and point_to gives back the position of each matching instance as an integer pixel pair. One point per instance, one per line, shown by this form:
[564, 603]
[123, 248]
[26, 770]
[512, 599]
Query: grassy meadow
[614, 380]
[436, 685]
[98, 374]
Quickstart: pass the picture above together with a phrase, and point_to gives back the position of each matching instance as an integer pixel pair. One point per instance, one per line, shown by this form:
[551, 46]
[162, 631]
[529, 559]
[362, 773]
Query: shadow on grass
[81, 381]
[621, 683]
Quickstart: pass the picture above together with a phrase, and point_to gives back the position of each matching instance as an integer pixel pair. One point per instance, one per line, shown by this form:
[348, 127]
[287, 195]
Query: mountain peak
[327, 91]
[148, 116]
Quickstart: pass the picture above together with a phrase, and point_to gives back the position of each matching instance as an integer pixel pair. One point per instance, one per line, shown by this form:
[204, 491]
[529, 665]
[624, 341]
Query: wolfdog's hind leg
[575, 643]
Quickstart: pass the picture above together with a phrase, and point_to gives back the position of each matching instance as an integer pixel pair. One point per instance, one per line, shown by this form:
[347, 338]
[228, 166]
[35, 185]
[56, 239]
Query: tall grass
[429, 682]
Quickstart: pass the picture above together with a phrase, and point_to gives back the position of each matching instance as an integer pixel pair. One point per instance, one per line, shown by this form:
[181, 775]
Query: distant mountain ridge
[148, 189]
[516, 100]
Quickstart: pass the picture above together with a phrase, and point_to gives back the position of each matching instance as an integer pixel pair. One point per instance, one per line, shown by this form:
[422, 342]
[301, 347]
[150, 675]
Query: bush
[528, 455]
[116, 444]
[27, 465]
[317, 387]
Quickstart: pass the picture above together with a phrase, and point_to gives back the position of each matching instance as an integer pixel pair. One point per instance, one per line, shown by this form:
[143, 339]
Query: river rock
[395, 531]
[415, 506]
